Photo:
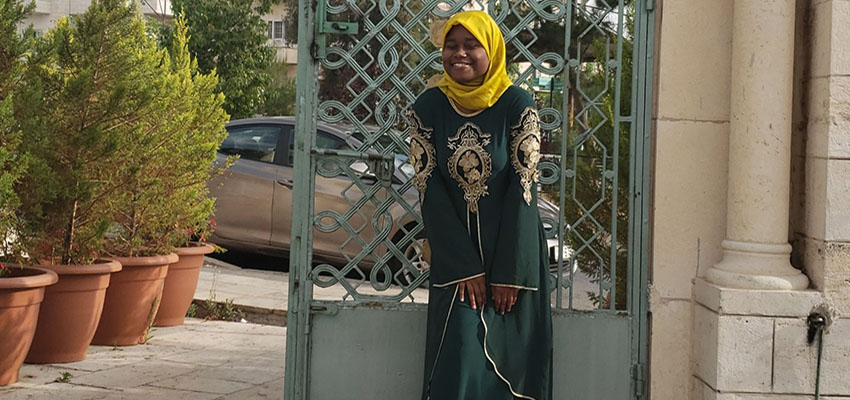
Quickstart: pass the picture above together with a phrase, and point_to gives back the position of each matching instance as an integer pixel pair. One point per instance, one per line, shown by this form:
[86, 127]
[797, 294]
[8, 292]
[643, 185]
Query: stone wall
[710, 342]
[824, 237]
[690, 175]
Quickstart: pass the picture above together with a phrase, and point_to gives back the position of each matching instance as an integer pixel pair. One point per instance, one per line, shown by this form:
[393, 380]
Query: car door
[281, 216]
[244, 192]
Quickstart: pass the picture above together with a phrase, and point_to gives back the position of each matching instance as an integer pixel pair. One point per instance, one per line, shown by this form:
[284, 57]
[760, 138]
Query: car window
[384, 141]
[256, 143]
[324, 140]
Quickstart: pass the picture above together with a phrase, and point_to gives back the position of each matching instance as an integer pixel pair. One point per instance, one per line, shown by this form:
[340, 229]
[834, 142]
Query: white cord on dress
[480, 247]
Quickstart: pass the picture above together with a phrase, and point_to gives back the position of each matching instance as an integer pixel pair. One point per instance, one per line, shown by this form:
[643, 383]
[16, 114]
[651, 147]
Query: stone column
[756, 253]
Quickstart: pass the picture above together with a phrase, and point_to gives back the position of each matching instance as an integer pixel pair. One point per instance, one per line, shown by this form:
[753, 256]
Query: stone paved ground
[199, 360]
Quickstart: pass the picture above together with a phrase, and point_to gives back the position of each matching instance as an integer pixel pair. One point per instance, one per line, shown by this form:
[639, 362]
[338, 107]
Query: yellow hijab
[496, 80]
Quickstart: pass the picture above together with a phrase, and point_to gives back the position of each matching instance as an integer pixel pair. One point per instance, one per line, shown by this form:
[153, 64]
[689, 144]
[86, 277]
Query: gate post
[300, 287]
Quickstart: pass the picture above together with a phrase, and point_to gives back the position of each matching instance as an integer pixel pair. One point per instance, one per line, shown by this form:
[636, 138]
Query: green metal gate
[356, 318]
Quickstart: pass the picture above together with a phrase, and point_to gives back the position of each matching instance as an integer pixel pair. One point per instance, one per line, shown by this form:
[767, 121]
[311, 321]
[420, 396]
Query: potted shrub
[21, 289]
[181, 282]
[21, 293]
[192, 162]
[167, 165]
[98, 77]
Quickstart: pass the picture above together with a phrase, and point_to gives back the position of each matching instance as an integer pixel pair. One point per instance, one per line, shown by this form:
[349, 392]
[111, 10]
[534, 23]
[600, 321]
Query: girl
[475, 142]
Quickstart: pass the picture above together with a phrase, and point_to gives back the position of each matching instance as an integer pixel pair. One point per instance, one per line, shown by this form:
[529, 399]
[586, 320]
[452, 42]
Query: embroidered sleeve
[525, 150]
[423, 158]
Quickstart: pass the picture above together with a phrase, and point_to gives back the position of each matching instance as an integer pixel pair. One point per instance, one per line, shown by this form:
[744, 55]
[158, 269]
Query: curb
[254, 315]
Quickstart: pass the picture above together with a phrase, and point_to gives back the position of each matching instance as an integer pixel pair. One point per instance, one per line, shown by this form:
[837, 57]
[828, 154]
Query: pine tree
[96, 74]
[12, 162]
[168, 167]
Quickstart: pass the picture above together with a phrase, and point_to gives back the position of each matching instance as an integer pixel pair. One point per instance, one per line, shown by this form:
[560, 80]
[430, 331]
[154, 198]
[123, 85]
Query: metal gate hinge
[639, 377]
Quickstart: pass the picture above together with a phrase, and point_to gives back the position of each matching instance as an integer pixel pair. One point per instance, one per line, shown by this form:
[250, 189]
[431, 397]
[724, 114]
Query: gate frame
[640, 168]
[296, 381]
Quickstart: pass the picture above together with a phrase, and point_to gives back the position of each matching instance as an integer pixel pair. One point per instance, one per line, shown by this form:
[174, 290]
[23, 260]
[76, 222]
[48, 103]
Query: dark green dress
[477, 176]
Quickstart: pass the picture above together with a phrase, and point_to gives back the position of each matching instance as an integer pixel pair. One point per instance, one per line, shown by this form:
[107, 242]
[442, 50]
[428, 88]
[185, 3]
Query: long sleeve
[519, 243]
[454, 257]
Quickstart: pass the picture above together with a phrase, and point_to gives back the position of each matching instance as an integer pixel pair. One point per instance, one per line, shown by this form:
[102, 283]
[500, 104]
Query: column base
[752, 344]
[756, 266]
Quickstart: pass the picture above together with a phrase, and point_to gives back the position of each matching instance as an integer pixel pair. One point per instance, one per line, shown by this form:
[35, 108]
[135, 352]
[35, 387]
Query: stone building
[751, 203]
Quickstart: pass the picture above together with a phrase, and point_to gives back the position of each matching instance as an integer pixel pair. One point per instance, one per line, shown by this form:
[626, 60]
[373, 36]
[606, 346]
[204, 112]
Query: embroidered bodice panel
[470, 164]
[479, 159]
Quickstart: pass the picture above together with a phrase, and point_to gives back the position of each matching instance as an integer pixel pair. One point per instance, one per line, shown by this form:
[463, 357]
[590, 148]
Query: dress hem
[493, 363]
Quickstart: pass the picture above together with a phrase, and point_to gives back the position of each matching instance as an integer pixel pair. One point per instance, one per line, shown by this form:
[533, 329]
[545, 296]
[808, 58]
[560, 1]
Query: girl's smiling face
[464, 58]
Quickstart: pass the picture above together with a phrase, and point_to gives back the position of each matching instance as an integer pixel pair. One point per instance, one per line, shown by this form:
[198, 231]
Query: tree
[281, 92]
[229, 37]
[95, 74]
[168, 162]
[12, 163]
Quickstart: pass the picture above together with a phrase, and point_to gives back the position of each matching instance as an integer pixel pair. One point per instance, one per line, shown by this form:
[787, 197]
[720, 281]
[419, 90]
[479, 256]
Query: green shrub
[12, 162]
[122, 142]
[96, 73]
[166, 200]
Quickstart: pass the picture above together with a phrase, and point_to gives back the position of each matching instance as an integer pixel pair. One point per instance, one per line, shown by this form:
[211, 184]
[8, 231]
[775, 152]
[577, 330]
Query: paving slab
[269, 390]
[203, 360]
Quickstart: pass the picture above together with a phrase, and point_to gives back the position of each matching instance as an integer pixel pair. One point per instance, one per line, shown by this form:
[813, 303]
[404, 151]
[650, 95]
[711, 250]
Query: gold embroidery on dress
[470, 164]
[525, 150]
[423, 158]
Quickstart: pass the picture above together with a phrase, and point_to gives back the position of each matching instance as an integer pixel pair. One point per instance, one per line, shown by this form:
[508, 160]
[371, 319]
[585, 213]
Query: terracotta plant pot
[20, 297]
[180, 284]
[132, 300]
[70, 312]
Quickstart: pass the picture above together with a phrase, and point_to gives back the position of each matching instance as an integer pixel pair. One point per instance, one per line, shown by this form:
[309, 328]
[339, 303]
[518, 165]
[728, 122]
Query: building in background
[47, 12]
[285, 47]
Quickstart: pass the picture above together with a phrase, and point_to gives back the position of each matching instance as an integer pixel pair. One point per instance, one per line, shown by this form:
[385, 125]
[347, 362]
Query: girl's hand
[476, 289]
[504, 297]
